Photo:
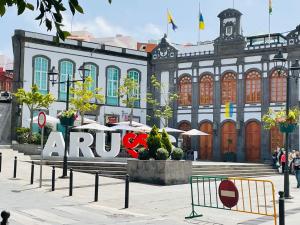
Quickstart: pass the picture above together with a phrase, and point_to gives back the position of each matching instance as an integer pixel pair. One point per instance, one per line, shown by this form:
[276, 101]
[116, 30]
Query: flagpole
[270, 23]
[198, 24]
[167, 23]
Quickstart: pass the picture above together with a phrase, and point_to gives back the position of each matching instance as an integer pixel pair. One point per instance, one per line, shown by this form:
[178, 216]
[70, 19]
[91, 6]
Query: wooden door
[228, 132]
[253, 142]
[206, 142]
[276, 139]
[186, 144]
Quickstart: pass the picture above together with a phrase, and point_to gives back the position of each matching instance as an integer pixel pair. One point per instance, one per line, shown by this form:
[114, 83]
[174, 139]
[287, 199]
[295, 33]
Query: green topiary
[153, 142]
[165, 141]
[177, 154]
[143, 154]
[162, 154]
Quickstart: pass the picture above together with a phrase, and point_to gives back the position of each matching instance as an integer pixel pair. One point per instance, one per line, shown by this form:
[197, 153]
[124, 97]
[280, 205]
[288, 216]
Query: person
[283, 161]
[274, 158]
[296, 165]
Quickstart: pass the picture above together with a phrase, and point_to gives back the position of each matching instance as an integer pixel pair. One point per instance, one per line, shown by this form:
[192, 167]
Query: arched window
[228, 88]
[186, 144]
[112, 86]
[135, 75]
[278, 87]
[41, 67]
[185, 91]
[92, 72]
[253, 87]
[206, 90]
[66, 68]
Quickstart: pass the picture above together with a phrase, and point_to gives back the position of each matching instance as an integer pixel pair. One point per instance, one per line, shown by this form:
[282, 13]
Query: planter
[230, 157]
[164, 172]
[28, 149]
[65, 121]
[287, 128]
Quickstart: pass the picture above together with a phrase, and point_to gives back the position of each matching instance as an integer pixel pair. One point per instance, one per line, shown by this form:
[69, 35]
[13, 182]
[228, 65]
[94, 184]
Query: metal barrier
[253, 196]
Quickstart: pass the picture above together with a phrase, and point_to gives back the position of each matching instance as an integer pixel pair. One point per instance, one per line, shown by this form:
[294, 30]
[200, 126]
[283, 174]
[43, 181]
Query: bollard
[5, 215]
[281, 208]
[15, 167]
[71, 183]
[0, 161]
[96, 186]
[32, 173]
[126, 191]
[53, 178]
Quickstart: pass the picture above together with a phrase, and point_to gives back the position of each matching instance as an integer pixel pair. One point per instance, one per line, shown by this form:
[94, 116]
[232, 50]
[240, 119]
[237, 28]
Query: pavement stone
[149, 204]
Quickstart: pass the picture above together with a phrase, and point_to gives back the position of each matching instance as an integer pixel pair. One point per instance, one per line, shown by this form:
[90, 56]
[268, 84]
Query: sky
[147, 20]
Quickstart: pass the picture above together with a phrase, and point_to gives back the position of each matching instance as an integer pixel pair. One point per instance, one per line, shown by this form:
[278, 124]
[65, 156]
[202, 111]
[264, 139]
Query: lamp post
[280, 64]
[53, 74]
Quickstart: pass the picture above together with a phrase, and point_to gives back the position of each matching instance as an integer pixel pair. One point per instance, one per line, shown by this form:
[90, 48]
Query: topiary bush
[165, 141]
[153, 142]
[177, 154]
[162, 154]
[143, 154]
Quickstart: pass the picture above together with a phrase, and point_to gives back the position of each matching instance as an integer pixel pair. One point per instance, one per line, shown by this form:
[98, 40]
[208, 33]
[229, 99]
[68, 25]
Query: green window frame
[92, 73]
[66, 68]
[135, 75]
[41, 66]
[112, 85]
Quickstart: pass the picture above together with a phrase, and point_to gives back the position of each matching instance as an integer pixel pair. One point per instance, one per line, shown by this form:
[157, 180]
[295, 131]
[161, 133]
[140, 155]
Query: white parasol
[49, 119]
[171, 130]
[194, 132]
[95, 126]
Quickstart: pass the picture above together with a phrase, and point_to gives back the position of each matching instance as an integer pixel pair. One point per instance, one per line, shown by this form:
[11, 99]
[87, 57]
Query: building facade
[231, 69]
[35, 54]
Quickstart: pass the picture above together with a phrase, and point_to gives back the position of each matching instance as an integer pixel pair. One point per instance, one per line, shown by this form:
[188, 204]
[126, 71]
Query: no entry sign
[42, 119]
[228, 193]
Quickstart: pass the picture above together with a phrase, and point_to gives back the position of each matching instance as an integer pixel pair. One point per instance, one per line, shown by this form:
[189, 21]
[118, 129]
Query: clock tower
[230, 37]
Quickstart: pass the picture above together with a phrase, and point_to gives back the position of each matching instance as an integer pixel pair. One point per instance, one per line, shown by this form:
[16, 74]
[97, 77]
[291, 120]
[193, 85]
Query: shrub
[153, 142]
[22, 134]
[177, 154]
[143, 154]
[165, 141]
[162, 154]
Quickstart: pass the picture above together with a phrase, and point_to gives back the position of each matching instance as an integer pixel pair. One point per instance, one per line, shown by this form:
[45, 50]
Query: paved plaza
[149, 204]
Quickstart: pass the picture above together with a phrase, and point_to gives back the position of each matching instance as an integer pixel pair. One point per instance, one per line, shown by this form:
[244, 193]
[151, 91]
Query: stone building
[231, 69]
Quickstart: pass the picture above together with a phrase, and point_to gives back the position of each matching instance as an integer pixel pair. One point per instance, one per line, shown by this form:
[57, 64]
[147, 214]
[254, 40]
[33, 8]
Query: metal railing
[255, 196]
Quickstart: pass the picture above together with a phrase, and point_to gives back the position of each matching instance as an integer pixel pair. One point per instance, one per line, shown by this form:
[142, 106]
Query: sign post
[41, 123]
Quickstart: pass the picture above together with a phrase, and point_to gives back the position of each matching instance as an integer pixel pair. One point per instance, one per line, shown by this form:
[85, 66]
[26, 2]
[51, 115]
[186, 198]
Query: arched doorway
[276, 139]
[186, 144]
[206, 142]
[253, 141]
[228, 135]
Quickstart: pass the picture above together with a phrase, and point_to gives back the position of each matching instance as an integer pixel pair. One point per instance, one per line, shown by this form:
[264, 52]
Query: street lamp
[53, 77]
[280, 65]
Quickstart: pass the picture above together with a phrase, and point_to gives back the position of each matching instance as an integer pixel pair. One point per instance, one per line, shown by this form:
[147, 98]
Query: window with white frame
[135, 75]
[66, 68]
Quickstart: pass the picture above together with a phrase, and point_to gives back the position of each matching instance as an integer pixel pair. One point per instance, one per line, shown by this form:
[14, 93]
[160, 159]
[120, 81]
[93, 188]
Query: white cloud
[100, 27]
[152, 29]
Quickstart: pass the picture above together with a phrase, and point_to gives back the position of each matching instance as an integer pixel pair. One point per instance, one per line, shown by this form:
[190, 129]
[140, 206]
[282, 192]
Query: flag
[270, 7]
[171, 21]
[201, 22]
[228, 110]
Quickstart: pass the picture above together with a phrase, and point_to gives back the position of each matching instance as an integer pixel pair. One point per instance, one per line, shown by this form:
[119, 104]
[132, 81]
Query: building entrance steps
[233, 169]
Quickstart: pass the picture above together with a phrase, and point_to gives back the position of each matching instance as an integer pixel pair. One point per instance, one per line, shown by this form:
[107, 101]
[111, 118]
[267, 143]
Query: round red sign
[228, 193]
[42, 119]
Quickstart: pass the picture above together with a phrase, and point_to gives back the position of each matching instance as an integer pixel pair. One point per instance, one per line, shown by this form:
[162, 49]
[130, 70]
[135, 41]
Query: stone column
[217, 114]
